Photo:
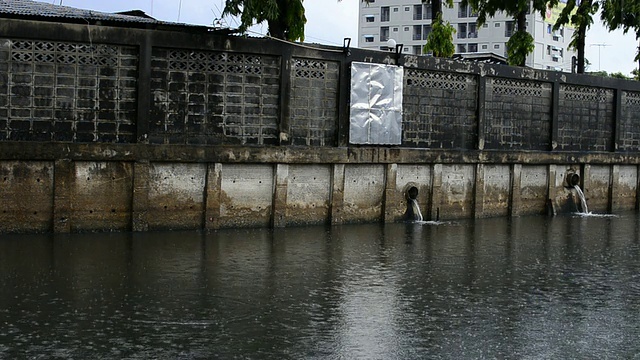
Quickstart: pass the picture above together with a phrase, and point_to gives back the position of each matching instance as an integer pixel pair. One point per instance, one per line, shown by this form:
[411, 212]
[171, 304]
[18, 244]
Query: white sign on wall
[376, 104]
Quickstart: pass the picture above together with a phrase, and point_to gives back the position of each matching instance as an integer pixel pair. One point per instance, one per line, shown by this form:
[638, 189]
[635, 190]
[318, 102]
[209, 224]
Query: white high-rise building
[408, 22]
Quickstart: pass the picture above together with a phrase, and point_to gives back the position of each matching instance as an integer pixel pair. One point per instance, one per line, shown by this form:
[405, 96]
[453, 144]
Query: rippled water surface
[526, 288]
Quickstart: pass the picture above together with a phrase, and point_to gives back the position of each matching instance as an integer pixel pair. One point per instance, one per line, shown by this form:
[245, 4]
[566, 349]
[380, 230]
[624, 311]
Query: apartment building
[408, 22]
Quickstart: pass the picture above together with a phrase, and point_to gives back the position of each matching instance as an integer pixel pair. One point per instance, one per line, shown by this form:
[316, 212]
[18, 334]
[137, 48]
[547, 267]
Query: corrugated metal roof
[30, 9]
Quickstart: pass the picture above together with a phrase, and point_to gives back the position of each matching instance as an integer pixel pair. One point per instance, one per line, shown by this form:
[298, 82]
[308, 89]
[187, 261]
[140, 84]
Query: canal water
[566, 287]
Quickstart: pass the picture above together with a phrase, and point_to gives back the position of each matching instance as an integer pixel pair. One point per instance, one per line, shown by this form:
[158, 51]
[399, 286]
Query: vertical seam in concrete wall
[213, 194]
[478, 209]
[63, 176]
[144, 89]
[516, 183]
[140, 198]
[436, 187]
[390, 200]
[551, 189]
[337, 193]
[281, 184]
[614, 177]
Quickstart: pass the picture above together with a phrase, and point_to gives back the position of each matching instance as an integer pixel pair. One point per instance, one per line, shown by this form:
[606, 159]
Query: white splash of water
[583, 201]
[417, 214]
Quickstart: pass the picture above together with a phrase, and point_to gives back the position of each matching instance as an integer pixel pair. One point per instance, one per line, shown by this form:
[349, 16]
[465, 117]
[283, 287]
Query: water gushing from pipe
[583, 200]
[417, 214]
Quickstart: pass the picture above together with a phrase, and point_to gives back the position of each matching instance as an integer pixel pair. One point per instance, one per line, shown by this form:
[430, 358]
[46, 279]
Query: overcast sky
[329, 21]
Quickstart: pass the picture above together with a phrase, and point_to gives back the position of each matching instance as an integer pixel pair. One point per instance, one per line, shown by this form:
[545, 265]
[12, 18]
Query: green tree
[520, 43]
[622, 14]
[581, 19]
[636, 74]
[440, 39]
[285, 18]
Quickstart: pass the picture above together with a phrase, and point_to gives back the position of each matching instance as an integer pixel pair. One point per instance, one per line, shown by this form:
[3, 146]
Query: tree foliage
[581, 19]
[440, 39]
[285, 18]
[520, 45]
[521, 42]
[622, 14]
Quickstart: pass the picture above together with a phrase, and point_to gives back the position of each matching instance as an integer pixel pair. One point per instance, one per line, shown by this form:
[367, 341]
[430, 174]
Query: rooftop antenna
[179, 10]
[600, 46]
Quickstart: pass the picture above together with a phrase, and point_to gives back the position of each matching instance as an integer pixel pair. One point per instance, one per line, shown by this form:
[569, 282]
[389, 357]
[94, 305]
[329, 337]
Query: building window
[473, 30]
[384, 33]
[485, 47]
[548, 28]
[417, 12]
[473, 48]
[406, 8]
[548, 49]
[417, 32]
[496, 46]
[417, 50]
[497, 24]
[406, 28]
[462, 31]
[426, 30]
[508, 28]
[462, 48]
[368, 38]
[485, 25]
[463, 11]
[395, 29]
[395, 9]
[370, 18]
[384, 13]
[427, 13]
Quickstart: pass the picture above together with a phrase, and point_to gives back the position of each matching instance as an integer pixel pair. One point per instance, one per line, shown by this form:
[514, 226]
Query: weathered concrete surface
[176, 196]
[624, 187]
[101, 196]
[363, 193]
[596, 187]
[308, 194]
[246, 198]
[532, 190]
[493, 188]
[69, 195]
[456, 194]
[26, 196]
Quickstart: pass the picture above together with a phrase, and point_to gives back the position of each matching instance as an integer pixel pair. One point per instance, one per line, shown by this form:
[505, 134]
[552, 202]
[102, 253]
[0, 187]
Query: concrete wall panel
[456, 198]
[533, 190]
[246, 195]
[413, 175]
[497, 187]
[176, 196]
[26, 196]
[624, 187]
[308, 194]
[363, 192]
[101, 196]
[597, 180]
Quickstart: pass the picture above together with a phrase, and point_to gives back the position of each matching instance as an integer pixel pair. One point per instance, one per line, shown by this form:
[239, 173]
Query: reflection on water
[530, 287]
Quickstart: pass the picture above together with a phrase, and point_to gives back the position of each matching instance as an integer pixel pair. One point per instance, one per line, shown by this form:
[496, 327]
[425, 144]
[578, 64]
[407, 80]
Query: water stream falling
[417, 214]
[583, 201]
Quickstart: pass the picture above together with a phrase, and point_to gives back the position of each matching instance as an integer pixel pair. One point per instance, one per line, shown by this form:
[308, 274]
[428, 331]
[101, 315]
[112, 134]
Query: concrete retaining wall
[124, 194]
